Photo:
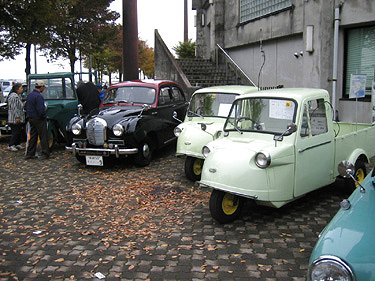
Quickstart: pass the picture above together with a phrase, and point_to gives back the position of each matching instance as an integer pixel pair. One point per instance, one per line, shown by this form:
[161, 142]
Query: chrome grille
[96, 131]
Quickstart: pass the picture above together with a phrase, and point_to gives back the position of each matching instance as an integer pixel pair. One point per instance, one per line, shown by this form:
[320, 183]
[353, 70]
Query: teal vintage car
[345, 250]
[204, 121]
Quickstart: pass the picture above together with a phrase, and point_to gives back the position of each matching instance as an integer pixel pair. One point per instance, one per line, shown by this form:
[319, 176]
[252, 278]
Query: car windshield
[210, 104]
[268, 115]
[139, 95]
[56, 89]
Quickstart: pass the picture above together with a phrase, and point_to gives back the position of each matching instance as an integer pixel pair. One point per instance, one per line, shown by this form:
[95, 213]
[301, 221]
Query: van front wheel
[225, 207]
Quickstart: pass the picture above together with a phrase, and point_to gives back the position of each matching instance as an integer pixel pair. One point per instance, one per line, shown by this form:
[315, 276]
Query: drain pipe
[335, 56]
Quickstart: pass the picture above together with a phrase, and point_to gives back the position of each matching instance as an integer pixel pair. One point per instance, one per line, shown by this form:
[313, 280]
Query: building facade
[296, 43]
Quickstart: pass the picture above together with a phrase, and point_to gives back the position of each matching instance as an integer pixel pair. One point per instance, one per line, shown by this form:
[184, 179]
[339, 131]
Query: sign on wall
[357, 86]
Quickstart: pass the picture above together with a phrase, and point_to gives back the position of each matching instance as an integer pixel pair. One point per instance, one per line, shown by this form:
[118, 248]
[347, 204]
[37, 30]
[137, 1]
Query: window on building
[360, 56]
[253, 9]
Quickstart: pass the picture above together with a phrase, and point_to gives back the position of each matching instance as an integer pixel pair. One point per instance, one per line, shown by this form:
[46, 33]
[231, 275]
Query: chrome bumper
[101, 151]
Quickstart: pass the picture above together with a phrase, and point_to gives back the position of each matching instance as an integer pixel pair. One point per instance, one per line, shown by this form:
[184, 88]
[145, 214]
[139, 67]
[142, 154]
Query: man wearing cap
[37, 117]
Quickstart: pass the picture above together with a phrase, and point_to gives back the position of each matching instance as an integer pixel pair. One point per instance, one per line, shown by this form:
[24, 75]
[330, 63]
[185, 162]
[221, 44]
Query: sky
[167, 16]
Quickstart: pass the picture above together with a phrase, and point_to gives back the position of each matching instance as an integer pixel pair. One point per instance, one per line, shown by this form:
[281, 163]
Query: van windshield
[211, 104]
[266, 115]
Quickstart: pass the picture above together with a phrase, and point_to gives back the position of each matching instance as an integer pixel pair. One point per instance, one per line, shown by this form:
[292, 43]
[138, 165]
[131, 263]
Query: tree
[78, 27]
[185, 49]
[146, 58]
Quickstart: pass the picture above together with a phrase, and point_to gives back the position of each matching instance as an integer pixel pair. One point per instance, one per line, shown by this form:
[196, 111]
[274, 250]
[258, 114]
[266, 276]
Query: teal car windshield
[57, 89]
[261, 114]
[210, 104]
[138, 95]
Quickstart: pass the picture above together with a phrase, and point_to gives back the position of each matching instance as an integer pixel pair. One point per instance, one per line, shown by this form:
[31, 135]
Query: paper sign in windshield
[281, 109]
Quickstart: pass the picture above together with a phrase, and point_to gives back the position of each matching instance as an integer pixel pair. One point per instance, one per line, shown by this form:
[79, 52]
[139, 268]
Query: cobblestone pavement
[60, 220]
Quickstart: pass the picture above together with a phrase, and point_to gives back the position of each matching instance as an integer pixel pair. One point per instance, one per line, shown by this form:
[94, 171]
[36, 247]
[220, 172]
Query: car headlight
[118, 130]
[205, 151]
[76, 129]
[217, 134]
[262, 160]
[177, 131]
[330, 268]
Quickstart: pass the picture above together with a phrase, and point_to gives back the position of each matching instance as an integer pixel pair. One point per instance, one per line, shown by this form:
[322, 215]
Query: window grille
[253, 9]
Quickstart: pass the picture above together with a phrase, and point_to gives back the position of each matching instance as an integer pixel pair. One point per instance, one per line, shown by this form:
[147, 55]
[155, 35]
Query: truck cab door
[314, 148]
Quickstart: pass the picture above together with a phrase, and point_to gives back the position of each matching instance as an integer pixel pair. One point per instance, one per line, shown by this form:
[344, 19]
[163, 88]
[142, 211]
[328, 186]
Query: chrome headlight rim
[118, 130]
[333, 261]
[76, 129]
[262, 159]
[177, 131]
[205, 151]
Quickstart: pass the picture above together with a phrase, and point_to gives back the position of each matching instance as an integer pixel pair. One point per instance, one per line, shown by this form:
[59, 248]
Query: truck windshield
[266, 115]
[211, 104]
[139, 95]
[56, 89]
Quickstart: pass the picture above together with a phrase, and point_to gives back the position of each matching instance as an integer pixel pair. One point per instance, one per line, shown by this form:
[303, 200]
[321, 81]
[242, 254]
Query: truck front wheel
[360, 170]
[225, 207]
[193, 168]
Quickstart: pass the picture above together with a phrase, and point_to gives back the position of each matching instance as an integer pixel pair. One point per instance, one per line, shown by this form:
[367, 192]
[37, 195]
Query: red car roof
[146, 83]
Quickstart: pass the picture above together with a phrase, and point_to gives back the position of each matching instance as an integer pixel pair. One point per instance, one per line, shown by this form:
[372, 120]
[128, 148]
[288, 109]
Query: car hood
[350, 234]
[115, 113]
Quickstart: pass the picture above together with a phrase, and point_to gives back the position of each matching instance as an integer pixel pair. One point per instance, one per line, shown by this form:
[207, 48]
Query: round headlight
[262, 160]
[177, 131]
[76, 129]
[330, 268]
[205, 151]
[218, 134]
[118, 130]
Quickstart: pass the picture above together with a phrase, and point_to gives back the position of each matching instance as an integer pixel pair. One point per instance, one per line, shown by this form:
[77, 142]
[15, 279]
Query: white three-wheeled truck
[279, 145]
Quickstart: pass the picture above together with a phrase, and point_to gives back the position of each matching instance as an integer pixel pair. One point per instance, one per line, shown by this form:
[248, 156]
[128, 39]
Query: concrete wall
[282, 35]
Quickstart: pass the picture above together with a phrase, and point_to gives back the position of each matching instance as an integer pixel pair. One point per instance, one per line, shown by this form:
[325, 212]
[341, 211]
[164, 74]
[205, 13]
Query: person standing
[37, 118]
[16, 117]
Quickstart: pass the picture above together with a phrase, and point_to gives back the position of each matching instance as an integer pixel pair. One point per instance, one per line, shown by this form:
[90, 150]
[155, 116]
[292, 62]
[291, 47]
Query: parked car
[136, 118]
[346, 247]
[204, 121]
[279, 145]
[61, 102]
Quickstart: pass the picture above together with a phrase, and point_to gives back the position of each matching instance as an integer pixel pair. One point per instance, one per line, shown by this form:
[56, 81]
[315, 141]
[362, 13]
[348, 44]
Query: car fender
[356, 154]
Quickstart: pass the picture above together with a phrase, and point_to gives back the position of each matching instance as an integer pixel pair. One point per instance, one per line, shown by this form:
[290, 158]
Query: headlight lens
[330, 268]
[262, 160]
[205, 151]
[76, 129]
[118, 130]
[177, 131]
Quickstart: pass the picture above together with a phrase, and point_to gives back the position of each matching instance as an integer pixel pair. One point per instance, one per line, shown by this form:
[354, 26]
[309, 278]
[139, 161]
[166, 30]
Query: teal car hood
[351, 234]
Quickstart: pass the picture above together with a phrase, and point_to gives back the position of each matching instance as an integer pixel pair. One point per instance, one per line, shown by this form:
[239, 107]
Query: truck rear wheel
[225, 207]
[193, 168]
[360, 170]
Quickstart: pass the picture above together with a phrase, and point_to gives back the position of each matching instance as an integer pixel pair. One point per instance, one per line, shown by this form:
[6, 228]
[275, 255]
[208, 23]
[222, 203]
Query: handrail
[235, 64]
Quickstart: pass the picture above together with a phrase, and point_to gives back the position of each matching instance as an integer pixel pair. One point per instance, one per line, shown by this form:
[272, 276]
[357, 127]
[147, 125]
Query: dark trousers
[38, 128]
[17, 131]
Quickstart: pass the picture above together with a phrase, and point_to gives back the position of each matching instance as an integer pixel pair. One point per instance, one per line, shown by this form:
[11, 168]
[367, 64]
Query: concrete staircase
[204, 73]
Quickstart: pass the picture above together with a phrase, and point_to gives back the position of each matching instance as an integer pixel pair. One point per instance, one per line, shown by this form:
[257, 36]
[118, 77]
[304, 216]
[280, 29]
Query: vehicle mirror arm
[362, 189]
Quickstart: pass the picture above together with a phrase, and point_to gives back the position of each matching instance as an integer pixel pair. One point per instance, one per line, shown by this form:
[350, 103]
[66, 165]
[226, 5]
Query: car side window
[164, 97]
[177, 94]
[314, 118]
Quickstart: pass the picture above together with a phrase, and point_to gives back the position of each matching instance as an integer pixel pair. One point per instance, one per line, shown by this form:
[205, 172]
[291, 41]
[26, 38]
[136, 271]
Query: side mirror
[146, 106]
[175, 116]
[290, 129]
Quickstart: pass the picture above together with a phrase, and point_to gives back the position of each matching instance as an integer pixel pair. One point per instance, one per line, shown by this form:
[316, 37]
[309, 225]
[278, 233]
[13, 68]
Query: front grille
[96, 131]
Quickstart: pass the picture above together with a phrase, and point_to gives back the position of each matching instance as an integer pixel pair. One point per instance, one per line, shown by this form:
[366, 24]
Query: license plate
[94, 160]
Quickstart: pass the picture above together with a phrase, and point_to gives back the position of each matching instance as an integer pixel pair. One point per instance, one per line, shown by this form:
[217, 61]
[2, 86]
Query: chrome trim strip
[112, 151]
[310, 147]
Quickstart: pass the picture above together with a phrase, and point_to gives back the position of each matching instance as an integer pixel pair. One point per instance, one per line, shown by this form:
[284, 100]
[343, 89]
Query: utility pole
[186, 33]
[130, 40]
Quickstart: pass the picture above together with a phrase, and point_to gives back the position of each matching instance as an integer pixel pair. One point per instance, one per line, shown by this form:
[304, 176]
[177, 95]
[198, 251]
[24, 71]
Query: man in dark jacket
[37, 118]
[88, 97]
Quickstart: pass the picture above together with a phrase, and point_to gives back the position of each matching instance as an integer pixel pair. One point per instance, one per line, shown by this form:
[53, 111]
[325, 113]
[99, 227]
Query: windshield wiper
[194, 113]
[234, 126]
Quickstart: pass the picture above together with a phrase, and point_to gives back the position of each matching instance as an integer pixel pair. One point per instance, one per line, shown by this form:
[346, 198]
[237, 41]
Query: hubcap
[229, 204]
[146, 150]
[197, 166]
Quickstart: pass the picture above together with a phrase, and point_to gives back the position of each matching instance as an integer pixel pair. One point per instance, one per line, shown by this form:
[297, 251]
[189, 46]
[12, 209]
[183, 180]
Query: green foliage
[185, 49]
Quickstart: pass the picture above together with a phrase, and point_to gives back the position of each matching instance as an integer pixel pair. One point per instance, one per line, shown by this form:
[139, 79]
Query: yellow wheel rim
[360, 176]
[197, 166]
[229, 204]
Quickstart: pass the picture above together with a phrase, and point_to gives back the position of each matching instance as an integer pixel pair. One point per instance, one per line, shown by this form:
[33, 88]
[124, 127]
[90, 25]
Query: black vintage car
[135, 118]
